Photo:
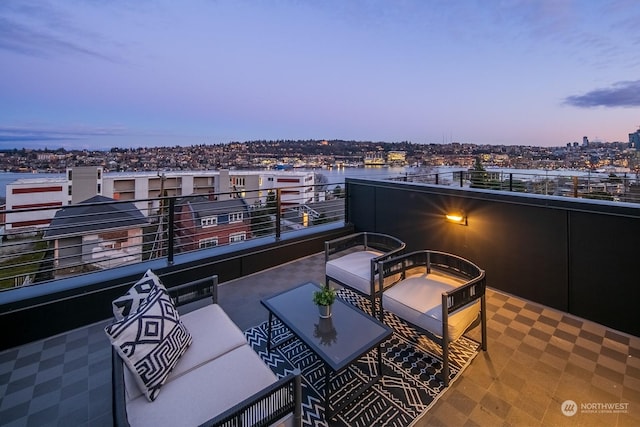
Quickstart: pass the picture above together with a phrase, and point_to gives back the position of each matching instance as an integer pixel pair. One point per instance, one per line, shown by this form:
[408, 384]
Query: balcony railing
[569, 254]
[101, 234]
[107, 234]
[576, 184]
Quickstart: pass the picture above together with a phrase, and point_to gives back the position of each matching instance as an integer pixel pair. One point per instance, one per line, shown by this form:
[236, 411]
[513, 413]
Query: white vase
[325, 311]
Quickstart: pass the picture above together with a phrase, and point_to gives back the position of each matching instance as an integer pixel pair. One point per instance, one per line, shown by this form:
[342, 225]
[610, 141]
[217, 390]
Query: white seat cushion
[354, 270]
[201, 394]
[214, 334]
[418, 300]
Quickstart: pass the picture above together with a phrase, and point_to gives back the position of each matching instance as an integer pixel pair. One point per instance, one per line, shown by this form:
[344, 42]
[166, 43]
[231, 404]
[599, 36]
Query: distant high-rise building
[634, 139]
[585, 141]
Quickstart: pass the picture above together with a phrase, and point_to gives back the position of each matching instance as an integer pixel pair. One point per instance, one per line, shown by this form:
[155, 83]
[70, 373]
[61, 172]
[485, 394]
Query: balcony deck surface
[537, 359]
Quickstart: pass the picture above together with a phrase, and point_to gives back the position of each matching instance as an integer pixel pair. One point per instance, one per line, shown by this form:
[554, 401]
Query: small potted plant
[324, 298]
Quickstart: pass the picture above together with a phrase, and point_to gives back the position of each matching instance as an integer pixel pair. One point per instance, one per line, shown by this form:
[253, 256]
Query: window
[69, 175]
[237, 181]
[210, 221]
[209, 242]
[235, 217]
[69, 191]
[237, 237]
[99, 189]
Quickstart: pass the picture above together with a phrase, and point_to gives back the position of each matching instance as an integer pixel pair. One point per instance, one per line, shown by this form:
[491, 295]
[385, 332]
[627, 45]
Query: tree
[262, 221]
[615, 179]
[272, 202]
[598, 195]
[478, 175]
[321, 182]
[338, 192]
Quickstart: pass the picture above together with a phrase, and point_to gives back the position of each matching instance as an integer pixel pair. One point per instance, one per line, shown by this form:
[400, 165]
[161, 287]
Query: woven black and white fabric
[151, 341]
[408, 388]
[130, 302]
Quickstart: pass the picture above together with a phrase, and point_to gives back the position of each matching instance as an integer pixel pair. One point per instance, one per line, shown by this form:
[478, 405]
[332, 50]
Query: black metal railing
[86, 237]
[615, 187]
[95, 236]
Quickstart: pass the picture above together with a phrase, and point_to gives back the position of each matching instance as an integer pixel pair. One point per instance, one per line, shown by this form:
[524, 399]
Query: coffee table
[338, 341]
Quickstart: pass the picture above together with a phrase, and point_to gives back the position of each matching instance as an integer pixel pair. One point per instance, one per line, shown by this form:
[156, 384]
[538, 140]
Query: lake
[339, 174]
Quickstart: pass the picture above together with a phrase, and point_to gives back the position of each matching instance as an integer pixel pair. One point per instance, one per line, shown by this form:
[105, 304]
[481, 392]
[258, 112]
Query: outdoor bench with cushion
[439, 293]
[195, 367]
[352, 261]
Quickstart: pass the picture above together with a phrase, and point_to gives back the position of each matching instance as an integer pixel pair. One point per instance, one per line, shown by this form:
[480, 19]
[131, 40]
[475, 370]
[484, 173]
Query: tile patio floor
[537, 359]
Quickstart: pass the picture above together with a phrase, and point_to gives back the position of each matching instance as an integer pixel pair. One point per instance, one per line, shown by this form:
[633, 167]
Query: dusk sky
[101, 74]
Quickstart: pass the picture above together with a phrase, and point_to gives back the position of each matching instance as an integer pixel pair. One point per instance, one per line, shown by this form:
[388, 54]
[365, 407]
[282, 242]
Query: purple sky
[102, 74]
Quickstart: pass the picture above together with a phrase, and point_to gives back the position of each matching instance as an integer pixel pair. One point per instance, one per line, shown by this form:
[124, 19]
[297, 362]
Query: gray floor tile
[14, 411]
[42, 417]
[54, 341]
[17, 385]
[47, 386]
[537, 358]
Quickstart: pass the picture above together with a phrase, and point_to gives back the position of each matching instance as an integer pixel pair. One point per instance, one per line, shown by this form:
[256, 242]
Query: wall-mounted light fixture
[457, 217]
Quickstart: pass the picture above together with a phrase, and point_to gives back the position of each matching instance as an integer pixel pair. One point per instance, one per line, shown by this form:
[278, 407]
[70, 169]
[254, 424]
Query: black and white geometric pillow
[130, 302]
[151, 341]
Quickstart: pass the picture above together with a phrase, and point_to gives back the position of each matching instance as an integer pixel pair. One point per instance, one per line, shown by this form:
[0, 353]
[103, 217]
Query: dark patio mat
[406, 391]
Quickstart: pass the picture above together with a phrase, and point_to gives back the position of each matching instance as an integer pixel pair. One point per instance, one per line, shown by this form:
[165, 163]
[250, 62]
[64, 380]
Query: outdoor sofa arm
[463, 296]
[195, 291]
[393, 267]
[278, 400]
[118, 393]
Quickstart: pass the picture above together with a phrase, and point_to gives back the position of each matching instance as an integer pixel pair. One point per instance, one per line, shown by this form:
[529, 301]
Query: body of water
[336, 175]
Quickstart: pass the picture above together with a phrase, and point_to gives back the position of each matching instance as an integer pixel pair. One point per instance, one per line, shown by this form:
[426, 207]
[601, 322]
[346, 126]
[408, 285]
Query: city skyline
[113, 74]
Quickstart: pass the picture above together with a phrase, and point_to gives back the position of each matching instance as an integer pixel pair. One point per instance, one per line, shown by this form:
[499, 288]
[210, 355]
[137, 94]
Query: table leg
[269, 333]
[327, 392]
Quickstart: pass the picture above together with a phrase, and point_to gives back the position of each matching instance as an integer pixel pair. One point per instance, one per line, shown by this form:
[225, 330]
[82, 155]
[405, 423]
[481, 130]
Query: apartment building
[37, 199]
[31, 203]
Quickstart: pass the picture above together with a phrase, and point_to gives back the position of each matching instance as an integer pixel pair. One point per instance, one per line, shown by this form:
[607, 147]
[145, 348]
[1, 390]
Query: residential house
[203, 222]
[97, 232]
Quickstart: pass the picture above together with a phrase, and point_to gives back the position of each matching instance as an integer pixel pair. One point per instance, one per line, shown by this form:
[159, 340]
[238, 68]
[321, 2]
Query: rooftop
[537, 358]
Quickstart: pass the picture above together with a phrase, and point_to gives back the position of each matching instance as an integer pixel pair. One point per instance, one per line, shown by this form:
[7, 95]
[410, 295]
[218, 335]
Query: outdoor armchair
[439, 293]
[352, 261]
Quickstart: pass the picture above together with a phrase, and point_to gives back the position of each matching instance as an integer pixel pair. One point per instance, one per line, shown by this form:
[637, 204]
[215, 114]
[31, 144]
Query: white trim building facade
[38, 199]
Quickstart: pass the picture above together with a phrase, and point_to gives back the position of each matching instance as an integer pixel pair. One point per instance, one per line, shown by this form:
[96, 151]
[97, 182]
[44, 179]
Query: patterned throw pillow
[151, 341]
[129, 302]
